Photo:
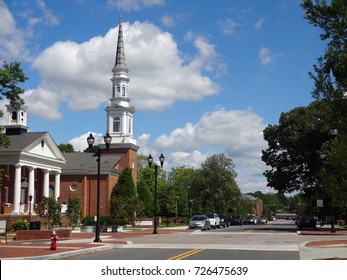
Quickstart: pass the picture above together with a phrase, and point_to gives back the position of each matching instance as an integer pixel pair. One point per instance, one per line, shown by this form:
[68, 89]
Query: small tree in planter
[49, 209]
[74, 211]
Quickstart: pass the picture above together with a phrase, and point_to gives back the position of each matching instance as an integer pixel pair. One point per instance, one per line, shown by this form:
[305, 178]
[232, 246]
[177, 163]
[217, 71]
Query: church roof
[21, 141]
[86, 163]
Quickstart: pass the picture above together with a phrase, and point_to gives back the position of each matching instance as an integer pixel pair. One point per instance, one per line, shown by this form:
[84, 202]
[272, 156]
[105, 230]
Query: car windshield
[198, 218]
[210, 215]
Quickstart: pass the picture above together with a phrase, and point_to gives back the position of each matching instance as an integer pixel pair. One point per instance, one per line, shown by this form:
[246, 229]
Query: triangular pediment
[44, 147]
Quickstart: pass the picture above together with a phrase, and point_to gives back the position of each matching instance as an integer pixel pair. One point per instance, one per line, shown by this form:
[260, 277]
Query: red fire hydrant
[54, 239]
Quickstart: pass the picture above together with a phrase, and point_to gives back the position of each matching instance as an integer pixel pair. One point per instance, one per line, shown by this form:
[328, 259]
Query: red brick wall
[41, 234]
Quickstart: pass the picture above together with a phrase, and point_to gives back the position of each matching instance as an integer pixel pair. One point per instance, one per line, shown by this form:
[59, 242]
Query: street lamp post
[90, 140]
[150, 161]
[30, 201]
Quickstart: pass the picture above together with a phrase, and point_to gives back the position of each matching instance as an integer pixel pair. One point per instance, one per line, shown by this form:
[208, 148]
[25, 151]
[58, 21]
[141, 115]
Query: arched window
[116, 124]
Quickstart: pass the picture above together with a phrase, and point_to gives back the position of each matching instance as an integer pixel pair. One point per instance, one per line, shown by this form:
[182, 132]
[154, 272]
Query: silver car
[199, 221]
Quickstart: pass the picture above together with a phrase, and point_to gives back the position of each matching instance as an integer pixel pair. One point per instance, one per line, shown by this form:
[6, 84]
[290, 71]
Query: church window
[73, 187]
[113, 91]
[51, 191]
[14, 115]
[118, 90]
[116, 124]
[123, 90]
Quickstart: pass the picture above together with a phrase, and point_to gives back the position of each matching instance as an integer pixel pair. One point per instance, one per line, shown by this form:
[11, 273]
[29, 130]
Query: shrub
[20, 225]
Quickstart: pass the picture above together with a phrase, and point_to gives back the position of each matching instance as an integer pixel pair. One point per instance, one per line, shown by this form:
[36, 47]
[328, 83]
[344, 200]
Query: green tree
[66, 148]
[10, 75]
[145, 193]
[214, 188]
[179, 181]
[330, 80]
[49, 209]
[124, 202]
[74, 210]
[330, 84]
[293, 147]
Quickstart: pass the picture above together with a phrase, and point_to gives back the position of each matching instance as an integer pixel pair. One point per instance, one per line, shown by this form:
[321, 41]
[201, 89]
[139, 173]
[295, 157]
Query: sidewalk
[83, 243]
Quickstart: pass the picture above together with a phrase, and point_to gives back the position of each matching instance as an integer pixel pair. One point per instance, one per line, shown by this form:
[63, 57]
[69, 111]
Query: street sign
[319, 202]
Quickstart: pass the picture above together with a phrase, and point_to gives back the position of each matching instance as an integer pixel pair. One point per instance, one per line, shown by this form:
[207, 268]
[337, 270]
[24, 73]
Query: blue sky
[205, 76]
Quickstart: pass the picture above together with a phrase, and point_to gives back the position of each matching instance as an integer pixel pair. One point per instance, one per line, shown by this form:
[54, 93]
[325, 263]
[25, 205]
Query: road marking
[186, 254]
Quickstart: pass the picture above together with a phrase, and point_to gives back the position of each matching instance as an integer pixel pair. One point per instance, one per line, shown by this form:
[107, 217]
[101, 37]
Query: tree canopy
[10, 75]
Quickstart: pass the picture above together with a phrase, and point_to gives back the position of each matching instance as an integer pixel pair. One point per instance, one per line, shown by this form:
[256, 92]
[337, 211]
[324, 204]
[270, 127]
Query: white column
[17, 188]
[31, 190]
[124, 124]
[46, 183]
[57, 185]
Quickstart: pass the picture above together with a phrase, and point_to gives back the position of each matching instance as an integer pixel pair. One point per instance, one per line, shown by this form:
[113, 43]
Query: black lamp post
[90, 140]
[150, 161]
[30, 200]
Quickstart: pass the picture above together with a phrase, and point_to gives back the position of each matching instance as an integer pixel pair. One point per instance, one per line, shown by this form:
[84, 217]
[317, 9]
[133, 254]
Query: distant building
[35, 168]
[256, 203]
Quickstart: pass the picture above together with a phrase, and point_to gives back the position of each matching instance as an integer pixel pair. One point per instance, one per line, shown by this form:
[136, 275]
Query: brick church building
[34, 167]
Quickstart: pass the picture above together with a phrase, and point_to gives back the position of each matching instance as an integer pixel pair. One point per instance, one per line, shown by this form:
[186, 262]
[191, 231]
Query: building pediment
[32, 148]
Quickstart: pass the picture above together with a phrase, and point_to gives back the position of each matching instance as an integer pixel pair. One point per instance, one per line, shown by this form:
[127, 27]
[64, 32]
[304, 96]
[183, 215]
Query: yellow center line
[186, 254]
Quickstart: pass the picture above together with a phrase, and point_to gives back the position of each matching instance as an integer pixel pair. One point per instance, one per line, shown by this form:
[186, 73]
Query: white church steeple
[120, 113]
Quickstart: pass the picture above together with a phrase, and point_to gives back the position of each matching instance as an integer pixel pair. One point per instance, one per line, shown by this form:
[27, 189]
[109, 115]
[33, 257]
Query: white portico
[28, 162]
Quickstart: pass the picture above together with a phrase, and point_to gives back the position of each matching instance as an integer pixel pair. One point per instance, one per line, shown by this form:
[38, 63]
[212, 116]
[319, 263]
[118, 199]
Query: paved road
[277, 241]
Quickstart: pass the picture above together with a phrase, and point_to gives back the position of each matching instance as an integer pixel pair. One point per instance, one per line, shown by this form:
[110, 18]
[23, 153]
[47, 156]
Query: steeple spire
[120, 112]
[120, 56]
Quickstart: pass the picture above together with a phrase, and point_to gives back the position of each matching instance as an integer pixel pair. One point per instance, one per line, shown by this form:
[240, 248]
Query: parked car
[199, 221]
[262, 220]
[306, 221]
[214, 220]
[224, 220]
[273, 218]
[236, 219]
[251, 220]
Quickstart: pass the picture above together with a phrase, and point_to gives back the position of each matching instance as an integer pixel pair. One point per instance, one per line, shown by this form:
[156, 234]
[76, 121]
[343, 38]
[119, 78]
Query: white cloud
[168, 20]
[268, 57]
[237, 133]
[47, 15]
[228, 26]
[264, 56]
[259, 24]
[158, 73]
[80, 142]
[12, 39]
[129, 5]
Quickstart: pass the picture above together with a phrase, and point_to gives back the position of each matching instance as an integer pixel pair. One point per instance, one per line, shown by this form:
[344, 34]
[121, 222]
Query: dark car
[306, 221]
[224, 220]
[236, 219]
[251, 220]
[262, 220]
